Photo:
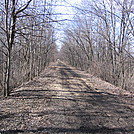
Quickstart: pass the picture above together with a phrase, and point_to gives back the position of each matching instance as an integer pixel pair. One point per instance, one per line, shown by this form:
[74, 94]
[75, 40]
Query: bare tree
[27, 41]
[103, 32]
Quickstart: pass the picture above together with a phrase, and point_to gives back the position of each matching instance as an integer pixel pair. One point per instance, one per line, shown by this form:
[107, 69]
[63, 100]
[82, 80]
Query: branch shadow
[98, 106]
[50, 130]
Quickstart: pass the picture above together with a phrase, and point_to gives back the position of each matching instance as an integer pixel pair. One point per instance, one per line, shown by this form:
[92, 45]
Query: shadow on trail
[85, 110]
[50, 130]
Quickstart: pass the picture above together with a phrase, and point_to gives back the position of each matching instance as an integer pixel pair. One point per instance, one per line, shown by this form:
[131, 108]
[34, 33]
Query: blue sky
[67, 12]
[66, 8]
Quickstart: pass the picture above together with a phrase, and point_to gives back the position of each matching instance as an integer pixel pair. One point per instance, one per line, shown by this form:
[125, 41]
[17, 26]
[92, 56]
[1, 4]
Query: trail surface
[64, 100]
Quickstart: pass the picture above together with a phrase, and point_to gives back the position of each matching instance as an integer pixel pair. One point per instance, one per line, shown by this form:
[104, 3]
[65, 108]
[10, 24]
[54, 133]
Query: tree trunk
[7, 79]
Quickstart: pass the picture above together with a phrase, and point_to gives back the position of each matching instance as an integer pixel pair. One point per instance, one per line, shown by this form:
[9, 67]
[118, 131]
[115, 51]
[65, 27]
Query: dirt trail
[65, 101]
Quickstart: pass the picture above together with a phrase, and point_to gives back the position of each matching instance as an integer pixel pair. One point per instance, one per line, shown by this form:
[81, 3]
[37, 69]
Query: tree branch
[23, 8]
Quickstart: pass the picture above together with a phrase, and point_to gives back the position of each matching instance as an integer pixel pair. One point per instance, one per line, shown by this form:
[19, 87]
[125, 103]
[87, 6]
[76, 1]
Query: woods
[27, 43]
[101, 41]
[66, 66]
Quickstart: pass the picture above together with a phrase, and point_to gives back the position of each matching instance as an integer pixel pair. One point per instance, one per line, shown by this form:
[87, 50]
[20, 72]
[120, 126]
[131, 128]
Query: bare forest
[27, 41]
[101, 41]
[66, 72]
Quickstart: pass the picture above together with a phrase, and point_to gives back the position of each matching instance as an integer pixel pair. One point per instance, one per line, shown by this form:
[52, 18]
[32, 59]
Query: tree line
[27, 41]
[100, 40]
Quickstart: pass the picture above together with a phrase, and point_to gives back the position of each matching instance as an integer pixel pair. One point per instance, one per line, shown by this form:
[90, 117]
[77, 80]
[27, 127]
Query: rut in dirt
[63, 100]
